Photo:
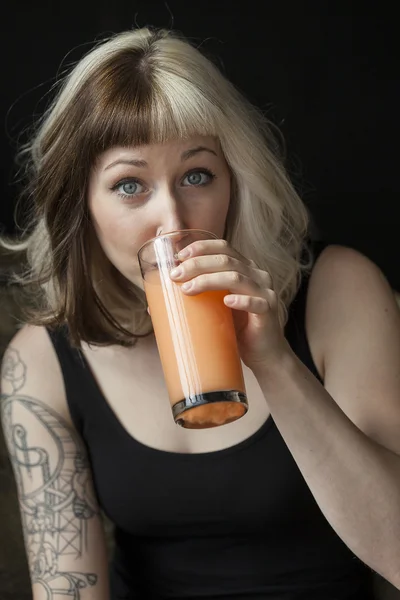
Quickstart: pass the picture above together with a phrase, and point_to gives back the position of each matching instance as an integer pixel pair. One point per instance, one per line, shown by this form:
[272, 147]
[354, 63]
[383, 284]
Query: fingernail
[186, 286]
[184, 253]
[175, 273]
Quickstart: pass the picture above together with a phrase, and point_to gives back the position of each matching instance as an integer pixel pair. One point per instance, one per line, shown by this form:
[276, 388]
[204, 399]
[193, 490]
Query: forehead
[172, 148]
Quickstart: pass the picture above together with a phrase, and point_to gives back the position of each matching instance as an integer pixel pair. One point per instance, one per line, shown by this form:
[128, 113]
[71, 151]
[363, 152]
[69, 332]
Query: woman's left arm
[345, 437]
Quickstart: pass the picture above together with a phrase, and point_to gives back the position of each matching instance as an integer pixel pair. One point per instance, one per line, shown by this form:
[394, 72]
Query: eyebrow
[136, 162]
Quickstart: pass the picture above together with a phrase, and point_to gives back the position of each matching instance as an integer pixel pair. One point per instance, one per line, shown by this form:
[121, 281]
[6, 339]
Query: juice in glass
[196, 340]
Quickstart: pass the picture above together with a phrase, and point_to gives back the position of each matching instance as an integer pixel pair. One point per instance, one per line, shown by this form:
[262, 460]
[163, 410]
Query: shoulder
[354, 323]
[342, 279]
[30, 367]
[346, 259]
[345, 289]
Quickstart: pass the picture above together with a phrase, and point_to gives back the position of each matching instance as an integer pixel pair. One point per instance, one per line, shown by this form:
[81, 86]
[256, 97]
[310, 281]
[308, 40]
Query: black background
[324, 73]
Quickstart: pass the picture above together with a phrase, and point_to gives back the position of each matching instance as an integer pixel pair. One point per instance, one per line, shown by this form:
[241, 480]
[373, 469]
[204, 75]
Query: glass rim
[173, 233]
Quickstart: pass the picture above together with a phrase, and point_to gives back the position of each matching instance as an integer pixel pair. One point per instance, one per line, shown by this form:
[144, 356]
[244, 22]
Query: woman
[298, 499]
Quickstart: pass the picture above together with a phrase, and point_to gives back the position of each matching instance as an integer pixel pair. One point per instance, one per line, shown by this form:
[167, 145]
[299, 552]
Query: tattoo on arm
[13, 370]
[55, 490]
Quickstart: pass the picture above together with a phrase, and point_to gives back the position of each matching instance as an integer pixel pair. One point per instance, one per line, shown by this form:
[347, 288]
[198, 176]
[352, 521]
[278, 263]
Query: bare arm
[345, 437]
[61, 521]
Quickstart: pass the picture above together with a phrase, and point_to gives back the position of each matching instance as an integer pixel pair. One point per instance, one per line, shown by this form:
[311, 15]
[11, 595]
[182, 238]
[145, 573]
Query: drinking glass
[195, 337]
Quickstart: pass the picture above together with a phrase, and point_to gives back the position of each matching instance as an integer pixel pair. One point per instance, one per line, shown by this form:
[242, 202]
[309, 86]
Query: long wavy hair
[138, 87]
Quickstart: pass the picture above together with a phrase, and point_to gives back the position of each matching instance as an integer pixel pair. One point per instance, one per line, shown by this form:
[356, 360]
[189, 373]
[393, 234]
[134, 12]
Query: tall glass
[195, 337]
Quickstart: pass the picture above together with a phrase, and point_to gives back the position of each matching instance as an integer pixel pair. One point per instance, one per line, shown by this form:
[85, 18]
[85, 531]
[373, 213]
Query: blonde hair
[145, 87]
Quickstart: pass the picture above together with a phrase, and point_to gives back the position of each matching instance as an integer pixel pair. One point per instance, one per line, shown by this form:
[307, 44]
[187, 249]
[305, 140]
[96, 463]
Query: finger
[207, 247]
[263, 278]
[234, 282]
[251, 304]
[217, 263]
[214, 263]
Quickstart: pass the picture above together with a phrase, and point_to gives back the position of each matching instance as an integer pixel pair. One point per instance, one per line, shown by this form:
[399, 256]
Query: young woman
[300, 498]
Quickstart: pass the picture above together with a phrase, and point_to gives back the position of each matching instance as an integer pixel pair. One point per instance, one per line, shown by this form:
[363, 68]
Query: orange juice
[198, 350]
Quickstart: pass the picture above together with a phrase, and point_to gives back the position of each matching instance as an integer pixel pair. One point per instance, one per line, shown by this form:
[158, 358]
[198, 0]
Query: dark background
[324, 74]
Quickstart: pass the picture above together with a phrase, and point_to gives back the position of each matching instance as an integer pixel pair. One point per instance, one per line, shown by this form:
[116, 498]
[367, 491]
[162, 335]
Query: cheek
[222, 206]
[109, 228]
[110, 222]
[116, 234]
[111, 232]
[227, 196]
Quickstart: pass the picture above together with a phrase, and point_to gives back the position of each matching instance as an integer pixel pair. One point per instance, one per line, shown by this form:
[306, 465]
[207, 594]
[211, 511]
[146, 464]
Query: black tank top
[238, 523]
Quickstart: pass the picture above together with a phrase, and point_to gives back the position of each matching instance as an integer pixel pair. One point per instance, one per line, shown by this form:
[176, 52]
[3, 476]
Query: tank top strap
[76, 374]
[295, 329]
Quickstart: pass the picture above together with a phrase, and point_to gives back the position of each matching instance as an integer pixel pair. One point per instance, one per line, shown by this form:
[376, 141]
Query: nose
[170, 217]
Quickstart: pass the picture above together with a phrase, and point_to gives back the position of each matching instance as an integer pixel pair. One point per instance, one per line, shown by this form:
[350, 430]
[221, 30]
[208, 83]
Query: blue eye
[131, 187]
[128, 187]
[198, 178]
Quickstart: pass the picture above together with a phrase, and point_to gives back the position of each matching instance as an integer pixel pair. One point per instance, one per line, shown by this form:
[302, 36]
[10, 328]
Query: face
[137, 193]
